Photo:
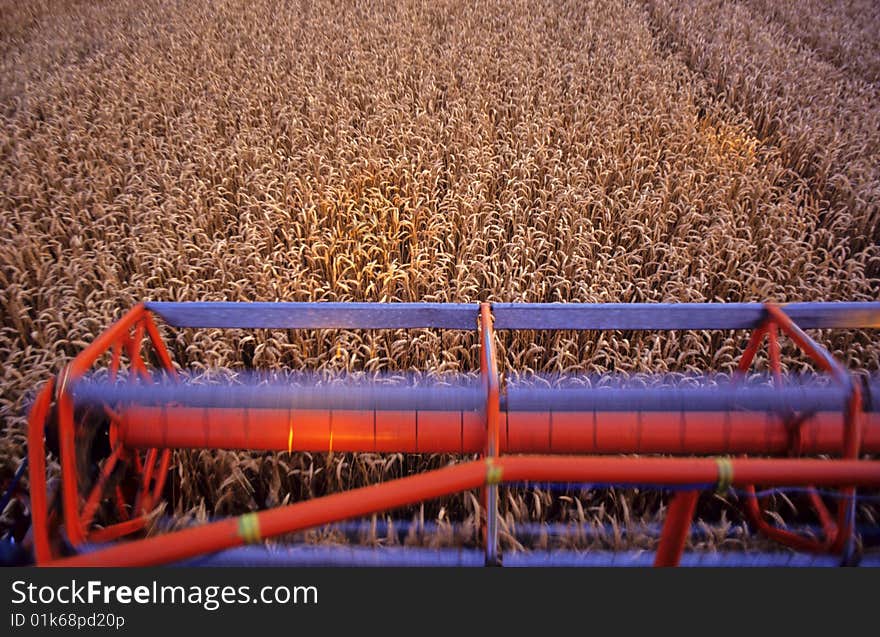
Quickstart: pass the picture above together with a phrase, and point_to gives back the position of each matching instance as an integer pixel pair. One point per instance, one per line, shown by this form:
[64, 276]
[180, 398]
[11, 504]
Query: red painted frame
[126, 334]
[137, 325]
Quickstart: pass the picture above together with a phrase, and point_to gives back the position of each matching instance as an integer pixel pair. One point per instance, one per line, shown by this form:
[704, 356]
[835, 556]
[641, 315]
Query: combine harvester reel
[114, 439]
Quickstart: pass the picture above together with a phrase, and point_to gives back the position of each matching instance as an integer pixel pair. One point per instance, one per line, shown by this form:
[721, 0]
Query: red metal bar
[794, 424]
[115, 338]
[142, 502]
[161, 475]
[237, 531]
[815, 351]
[97, 491]
[115, 360]
[158, 344]
[836, 534]
[37, 472]
[845, 522]
[133, 345]
[364, 501]
[775, 359]
[852, 436]
[147, 323]
[853, 427]
[67, 442]
[121, 504]
[830, 529]
[795, 541]
[116, 332]
[493, 407]
[465, 432]
[828, 525]
[751, 350]
[752, 505]
[676, 528]
[119, 530]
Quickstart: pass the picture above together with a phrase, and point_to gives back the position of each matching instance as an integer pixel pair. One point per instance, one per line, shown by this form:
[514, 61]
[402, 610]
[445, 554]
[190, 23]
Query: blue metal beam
[251, 395]
[455, 316]
[511, 316]
[677, 316]
[461, 394]
[308, 555]
[803, 398]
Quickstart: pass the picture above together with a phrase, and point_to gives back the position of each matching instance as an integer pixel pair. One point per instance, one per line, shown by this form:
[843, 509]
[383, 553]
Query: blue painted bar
[803, 398]
[283, 396]
[307, 555]
[510, 316]
[318, 555]
[444, 398]
[455, 316]
[855, 315]
[677, 316]
[463, 394]
[724, 559]
[353, 530]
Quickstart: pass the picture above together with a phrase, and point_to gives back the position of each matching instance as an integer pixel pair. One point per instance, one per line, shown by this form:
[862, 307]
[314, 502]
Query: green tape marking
[494, 473]
[725, 474]
[249, 528]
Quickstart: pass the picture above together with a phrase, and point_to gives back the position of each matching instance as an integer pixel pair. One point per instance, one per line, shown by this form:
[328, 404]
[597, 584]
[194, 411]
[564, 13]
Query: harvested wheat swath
[844, 33]
[823, 118]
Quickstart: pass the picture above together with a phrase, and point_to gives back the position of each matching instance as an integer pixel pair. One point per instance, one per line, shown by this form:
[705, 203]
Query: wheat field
[445, 151]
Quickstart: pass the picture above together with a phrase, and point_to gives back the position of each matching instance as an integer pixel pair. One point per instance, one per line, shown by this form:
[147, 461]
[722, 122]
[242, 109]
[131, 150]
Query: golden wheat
[409, 151]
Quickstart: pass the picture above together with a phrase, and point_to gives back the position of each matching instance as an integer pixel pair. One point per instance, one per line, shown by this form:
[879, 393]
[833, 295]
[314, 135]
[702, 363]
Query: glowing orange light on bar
[465, 432]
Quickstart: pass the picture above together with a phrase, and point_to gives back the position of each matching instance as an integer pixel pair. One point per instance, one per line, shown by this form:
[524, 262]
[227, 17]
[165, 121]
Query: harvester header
[115, 432]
